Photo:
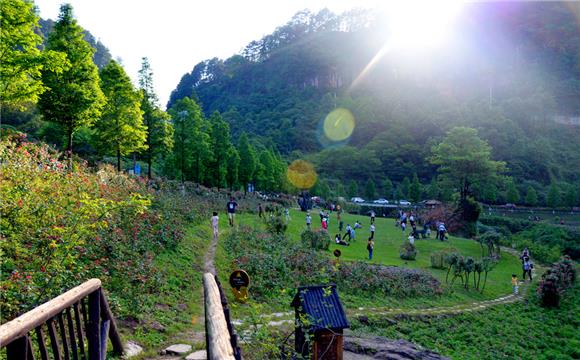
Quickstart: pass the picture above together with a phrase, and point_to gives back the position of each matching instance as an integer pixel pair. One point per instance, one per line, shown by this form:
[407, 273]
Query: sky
[175, 35]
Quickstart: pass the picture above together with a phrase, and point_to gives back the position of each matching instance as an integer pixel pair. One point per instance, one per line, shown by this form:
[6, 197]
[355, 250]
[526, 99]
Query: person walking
[372, 231]
[214, 224]
[527, 267]
[373, 214]
[260, 211]
[348, 233]
[308, 220]
[324, 224]
[287, 214]
[514, 284]
[231, 207]
[370, 247]
[441, 230]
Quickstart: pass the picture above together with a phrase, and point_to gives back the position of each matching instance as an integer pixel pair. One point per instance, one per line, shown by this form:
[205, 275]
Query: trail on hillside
[209, 263]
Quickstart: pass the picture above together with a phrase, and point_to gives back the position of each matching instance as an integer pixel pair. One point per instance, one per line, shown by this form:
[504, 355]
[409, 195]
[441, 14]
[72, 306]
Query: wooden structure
[221, 340]
[77, 322]
[320, 317]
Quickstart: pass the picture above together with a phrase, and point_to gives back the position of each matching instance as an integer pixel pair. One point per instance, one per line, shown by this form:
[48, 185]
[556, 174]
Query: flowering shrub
[59, 228]
[557, 279]
[275, 264]
[408, 251]
[316, 239]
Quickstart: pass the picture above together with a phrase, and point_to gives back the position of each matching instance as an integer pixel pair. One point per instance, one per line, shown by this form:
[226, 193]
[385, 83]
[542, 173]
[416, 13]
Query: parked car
[357, 200]
[381, 201]
[404, 202]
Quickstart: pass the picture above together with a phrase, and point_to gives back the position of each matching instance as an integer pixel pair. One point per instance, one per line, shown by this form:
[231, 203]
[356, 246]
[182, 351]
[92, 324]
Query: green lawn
[388, 239]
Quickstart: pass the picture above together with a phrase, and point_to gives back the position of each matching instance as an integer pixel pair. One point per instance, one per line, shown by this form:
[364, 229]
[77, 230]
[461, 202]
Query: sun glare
[420, 23]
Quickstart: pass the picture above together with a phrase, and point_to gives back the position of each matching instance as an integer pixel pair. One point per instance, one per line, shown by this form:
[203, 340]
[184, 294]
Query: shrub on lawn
[275, 224]
[316, 239]
[557, 279]
[408, 251]
[439, 258]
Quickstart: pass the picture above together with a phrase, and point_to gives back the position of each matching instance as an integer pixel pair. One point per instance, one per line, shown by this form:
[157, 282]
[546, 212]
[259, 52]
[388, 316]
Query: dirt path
[209, 264]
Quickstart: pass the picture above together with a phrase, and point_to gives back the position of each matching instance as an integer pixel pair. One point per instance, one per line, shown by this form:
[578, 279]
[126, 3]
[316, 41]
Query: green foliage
[248, 159]
[21, 61]
[404, 188]
[512, 194]
[276, 224]
[316, 239]
[120, 130]
[408, 251]
[557, 279]
[74, 97]
[220, 146]
[464, 159]
[352, 190]
[531, 196]
[442, 259]
[370, 189]
[553, 199]
[415, 190]
[547, 242]
[233, 168]
[387, 188]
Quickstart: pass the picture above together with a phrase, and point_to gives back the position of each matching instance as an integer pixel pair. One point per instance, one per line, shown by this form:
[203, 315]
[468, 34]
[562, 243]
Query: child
[324, 224]
[372, 230]
[348, 232]
[357, 225]
[214, 223]
[373, 214]
[370, 247]
[515, 284]
[287, 213]
[308, 220]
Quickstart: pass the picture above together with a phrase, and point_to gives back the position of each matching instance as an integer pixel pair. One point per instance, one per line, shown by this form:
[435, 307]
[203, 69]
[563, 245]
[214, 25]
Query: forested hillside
[513, 73]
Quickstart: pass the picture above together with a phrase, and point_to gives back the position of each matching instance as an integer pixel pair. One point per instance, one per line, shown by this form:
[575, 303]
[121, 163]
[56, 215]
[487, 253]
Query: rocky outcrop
[382, 348]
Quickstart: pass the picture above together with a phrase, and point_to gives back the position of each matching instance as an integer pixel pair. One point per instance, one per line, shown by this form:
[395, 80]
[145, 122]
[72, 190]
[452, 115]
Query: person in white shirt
[214, 223]
[441, 231]
[372, 231]
[308, 220]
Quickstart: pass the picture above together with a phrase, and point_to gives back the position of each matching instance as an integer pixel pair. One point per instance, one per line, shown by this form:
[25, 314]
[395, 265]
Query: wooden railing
[221, 340]
[80, 314]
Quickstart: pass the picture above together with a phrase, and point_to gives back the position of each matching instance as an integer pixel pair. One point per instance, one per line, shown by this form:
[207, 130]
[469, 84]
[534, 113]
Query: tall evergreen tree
[370, 189]
[74, 97]
[247, 161]
[120, 129]
[434, 191]
[415, 189]
[159, 127]
[21, 60]
[388, 188]
[570, 196]
[220, 145]
[553, 199]
[404, 187]
[352, 189]
[531, 196]
[512, 193]
[233, 168]
[192, 148]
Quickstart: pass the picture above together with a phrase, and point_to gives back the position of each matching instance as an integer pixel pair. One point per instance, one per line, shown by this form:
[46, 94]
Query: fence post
[93, 329]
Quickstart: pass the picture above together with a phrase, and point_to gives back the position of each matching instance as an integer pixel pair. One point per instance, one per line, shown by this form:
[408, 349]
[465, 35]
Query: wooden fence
[221, 340]
[77, 322]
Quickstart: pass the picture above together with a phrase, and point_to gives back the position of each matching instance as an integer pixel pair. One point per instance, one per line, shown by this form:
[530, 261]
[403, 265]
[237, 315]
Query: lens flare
[301, 174]
[339, 124]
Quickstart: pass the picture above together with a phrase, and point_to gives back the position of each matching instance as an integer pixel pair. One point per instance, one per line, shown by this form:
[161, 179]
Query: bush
[547, 242]
[276, 225]
[513, 225]
[408, 251]
[439, 259]
[557, 279]
[316, 239]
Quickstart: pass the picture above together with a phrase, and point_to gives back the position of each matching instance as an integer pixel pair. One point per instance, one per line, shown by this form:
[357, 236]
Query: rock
[347, 355]
[197, 355]
[132, 349]
[363, 319]
[382, 348]
[162, 306]
[182, 307]
[178, 349]
[157, 326]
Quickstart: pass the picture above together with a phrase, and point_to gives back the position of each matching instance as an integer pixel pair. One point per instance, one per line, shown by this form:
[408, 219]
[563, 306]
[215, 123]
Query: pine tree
[157, 121]
[531, 196]
[21, 60]
[74, 97]
[553, 195]
[220, 145]
[247, 161]
[370, 189]
[415, 190]
[434, 191]
[570, 196]
[404, 187]
[233, 168]
[120, 130]
[352, 189]
[512, 193]
[388, 188]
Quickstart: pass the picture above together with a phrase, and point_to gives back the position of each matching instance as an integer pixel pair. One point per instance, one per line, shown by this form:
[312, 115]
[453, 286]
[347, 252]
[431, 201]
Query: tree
[531, 196]
[570, 196]
[415, 190]
[192, 149]
[370, 189]
[434, 191]
[159, 128]
[352, 189]
[21, 61]
[74, 97]
[233, 168]
[512, 193]
[220, 145]
[404, 187]
[120, 130]
[388, 188]
[553, 199]
[464, 159]
[247, 161]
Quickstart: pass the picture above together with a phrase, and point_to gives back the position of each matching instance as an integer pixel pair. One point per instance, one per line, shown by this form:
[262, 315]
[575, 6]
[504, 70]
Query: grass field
[388, 239]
